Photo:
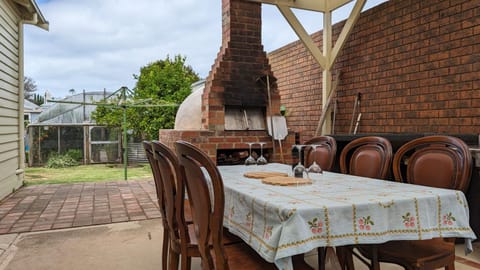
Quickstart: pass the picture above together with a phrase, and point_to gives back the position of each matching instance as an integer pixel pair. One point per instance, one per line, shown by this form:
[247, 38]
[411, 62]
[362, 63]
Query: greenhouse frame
[67, 126]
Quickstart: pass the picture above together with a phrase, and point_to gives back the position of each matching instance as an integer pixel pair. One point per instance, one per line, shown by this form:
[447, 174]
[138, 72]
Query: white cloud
[96, 44]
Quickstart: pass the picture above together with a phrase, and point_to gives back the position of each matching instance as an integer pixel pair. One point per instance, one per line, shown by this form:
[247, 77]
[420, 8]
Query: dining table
[336, 209]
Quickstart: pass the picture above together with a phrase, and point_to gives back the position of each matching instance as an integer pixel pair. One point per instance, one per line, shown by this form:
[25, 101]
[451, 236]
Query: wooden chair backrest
[207, 200]
[173, 192]
[325, 153]
[157, 178]
[436, 161]
[367, 156]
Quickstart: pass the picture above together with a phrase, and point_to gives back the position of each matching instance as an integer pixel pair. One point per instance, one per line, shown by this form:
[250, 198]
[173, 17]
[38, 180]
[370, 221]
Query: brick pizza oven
[234, 103]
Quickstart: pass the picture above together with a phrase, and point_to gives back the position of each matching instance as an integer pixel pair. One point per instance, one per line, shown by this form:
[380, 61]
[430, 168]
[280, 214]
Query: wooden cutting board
[286, 181]
[261, 175]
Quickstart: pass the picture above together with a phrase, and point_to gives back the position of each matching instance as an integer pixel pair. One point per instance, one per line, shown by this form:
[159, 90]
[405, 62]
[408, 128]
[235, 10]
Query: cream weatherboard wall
[11, 176]
[13, 15]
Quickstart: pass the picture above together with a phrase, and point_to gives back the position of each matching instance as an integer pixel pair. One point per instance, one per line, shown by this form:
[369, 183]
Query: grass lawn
[85, 173]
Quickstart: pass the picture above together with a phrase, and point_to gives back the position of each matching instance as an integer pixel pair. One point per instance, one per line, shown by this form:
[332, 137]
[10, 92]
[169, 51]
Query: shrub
[61, 161]
[76, 154]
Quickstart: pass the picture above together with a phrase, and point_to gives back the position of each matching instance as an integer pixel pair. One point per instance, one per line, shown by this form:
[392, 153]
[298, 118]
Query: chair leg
[321, 257]
[375, 264]
[347, 257]
[189, 263]
[450, 266]
[165, 250]
[186, 262]
[173, 260]
[341, 256]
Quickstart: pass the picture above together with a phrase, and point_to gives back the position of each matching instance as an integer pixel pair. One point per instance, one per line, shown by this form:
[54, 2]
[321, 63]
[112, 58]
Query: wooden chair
[207, 212]
[183, 242]
[177, 228]
[324, 155]
[368, 157]
[436, 161]
[159, 190]
[325, 152]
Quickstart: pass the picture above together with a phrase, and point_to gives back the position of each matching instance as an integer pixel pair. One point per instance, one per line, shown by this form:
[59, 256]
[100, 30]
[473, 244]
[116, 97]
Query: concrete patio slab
[127, 245]
[119, 246]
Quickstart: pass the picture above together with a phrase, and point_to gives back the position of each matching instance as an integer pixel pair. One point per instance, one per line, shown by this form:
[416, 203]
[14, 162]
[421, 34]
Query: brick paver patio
[55, 206]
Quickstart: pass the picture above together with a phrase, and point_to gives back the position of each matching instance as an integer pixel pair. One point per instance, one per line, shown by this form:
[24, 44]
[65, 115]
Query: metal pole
[86, 145]
[84, 109]
[125, 148]
[30, 146]
[58, 140]
[40, 144]
[125, 156]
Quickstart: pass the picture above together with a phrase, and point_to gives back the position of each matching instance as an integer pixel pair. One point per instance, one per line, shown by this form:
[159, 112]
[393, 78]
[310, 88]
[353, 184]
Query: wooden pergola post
[327, 70]
[328, 54]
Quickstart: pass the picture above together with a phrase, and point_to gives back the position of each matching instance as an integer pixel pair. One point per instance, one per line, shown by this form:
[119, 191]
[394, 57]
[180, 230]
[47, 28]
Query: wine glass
[261, 160]
[314, 168]
[299, 169]
[250, 160]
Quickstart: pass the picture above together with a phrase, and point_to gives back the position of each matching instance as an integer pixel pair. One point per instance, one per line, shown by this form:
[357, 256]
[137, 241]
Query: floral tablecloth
[337, 209]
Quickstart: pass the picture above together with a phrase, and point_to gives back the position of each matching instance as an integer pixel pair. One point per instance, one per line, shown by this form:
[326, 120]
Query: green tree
[110, 114]
[167, 81]
[161, 82]
[38, 99]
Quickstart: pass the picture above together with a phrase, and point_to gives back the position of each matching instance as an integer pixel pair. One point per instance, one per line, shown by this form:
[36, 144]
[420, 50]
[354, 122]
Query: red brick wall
[416, 63]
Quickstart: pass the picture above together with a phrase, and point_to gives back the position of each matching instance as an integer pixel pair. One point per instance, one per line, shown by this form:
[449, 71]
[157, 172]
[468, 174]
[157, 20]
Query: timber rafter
[327, 55]
[313, 5]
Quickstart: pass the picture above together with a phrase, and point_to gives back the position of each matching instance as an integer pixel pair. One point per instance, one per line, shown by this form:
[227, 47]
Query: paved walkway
[56, 206]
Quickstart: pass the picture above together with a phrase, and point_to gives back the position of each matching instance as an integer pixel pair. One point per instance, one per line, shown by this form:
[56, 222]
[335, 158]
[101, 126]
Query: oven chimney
[232, 83]
[235, 102]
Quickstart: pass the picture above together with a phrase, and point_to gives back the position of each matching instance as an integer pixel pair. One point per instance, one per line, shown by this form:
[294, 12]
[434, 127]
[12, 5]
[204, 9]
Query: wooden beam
[303, 35]
[327, 38]
[347, 29]
[328, 104]
[334, 4]
[327, 72]
[327, 57]
[313, 5]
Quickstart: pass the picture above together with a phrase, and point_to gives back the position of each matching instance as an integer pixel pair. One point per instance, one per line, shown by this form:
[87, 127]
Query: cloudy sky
[97, 44]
